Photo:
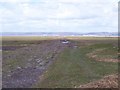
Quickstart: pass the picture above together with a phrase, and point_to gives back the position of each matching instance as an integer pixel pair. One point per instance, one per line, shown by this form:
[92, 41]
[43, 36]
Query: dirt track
[35, 60]
[30, 63]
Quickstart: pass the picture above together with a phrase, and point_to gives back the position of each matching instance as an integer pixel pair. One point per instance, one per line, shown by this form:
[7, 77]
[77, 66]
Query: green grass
[73, 68]
[29, 38]
[36, 38]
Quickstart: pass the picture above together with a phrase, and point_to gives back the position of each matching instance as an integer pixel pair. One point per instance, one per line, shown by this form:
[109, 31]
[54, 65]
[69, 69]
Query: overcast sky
[59, 15]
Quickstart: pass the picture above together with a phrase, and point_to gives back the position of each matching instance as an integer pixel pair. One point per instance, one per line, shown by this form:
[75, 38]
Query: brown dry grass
[95, 57]
[110, 81]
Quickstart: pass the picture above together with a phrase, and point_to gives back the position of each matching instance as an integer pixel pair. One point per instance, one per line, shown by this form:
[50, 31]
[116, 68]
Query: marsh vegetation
[47, 62]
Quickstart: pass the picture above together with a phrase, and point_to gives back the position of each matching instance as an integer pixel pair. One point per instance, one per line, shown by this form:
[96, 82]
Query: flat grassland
[47, 62]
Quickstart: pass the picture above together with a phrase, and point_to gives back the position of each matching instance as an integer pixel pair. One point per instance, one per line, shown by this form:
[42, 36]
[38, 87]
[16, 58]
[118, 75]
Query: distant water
[59, 34]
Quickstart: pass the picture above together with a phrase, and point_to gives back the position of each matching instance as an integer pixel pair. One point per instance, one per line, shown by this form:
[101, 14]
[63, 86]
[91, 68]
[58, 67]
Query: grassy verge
[73, 68]
[36, 38]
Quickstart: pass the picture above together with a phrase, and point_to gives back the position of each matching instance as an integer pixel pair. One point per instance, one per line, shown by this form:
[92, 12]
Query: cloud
[59, 15]
[14, 1]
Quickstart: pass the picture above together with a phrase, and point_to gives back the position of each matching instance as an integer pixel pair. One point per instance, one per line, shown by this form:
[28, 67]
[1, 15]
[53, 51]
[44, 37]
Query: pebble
[9, 75]
[75, 46]
[18, 67]
[35, 80]
[35, 56]
[39, 61]
[31, 59]
[10, 65]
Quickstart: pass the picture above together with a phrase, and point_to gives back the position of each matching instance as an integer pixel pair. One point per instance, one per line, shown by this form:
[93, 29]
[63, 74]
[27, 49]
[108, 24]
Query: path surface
[31, 62]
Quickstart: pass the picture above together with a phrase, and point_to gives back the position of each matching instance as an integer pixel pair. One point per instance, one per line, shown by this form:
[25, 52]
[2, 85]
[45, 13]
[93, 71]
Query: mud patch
[23, 67]
[10, 48]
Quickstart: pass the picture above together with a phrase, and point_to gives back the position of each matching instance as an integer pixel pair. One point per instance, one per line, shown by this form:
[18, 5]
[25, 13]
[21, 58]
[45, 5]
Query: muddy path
[24, 66]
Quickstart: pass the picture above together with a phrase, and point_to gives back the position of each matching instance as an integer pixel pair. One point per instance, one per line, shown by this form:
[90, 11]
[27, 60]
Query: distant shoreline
[89, 34]
[37, 38]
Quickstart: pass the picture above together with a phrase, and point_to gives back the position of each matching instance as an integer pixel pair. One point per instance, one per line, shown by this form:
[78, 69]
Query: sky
[59, 15]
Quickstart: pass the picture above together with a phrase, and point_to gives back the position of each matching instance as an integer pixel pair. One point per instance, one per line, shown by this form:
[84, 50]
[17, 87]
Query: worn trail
[23, 67]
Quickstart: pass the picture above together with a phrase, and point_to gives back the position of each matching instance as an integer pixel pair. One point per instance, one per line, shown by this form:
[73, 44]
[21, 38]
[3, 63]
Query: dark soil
[35, 59]
[9, 48]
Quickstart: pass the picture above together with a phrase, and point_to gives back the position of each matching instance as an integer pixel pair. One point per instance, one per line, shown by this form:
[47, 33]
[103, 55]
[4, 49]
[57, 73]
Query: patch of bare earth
[110, 81]
[95, 57]
[33, 61]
